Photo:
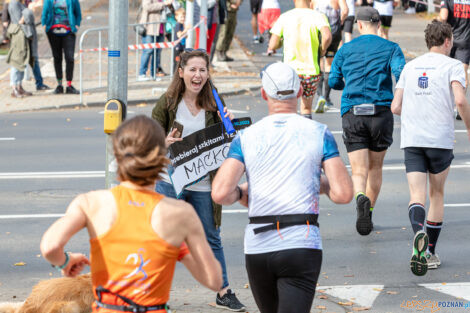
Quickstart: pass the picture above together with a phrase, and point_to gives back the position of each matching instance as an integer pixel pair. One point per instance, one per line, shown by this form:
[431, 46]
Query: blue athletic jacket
[366, 64]
[73, 10]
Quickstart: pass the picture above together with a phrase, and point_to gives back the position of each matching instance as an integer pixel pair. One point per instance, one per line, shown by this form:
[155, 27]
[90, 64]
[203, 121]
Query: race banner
[200, 153]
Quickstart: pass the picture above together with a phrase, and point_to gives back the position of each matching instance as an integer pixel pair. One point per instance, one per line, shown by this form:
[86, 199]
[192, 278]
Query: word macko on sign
[200, 153]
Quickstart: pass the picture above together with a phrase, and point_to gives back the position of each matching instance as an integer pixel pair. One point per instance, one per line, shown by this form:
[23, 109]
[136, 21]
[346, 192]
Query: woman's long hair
[177, 87]
[139, 148]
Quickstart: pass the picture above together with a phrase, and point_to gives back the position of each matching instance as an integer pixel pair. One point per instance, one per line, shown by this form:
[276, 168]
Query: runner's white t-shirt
[270, 4]
[384, 8]
[427, 115]
[283, 155]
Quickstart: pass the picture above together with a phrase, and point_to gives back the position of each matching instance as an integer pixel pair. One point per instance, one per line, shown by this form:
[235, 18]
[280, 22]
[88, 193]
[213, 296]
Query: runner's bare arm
[339, 188]
[275, 42]
[326, 39]
[462, 104]
[57, 236]
[443, 14]
[201, 261]
[397, 101]
[224, 186]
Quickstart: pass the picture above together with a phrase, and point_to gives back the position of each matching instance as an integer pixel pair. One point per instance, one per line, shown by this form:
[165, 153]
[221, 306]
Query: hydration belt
[283, 221]
[131, 307]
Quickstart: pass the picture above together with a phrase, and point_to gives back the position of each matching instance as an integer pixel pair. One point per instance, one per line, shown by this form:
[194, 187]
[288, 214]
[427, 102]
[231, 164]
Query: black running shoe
[230, 302]
[59, 90]
[364, 220]
[71, 90]
[419, 263]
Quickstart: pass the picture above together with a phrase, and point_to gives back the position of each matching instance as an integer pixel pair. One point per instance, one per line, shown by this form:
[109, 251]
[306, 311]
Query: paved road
[47, 150]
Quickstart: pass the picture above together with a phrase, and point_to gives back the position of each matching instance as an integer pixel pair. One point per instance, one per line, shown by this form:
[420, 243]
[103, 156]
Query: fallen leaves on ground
[20, 264]
[212, 304]
[392, 292]
[349, 303]
[87, 128]
[15, 124]
[348, 275]
[246, 286]
[321, 307]
[321, 291]
[68, 119]
[140, 105]
[322, 297]
[361, 309]
[377, 289]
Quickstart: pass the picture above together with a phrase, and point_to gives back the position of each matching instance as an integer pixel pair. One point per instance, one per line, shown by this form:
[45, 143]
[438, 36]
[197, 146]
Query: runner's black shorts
[424, 160]
[461, 54]
[255, 6]
[373, 132]
[386, 20]
[284, 281]
[348, 24]
[333, 47]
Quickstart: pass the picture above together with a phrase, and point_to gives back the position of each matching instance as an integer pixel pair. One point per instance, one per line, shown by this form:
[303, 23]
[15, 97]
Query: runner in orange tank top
[136, 234]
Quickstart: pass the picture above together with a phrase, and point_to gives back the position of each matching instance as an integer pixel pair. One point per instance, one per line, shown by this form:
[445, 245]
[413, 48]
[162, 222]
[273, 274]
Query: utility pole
[117, 73]
[190, 21]
[203, 28]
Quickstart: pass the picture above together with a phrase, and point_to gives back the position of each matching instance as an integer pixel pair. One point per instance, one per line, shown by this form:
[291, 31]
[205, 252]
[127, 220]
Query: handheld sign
[227, 123]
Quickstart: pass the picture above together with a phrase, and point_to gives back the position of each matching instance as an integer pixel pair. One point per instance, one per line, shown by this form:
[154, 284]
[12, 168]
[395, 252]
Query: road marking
[43, 175]
[24, 216]
[235, 211]
[128, 112]
[238, 111]
[337, 132]
[457, 205]
[7, 139]
[363, 295]
[457, 290]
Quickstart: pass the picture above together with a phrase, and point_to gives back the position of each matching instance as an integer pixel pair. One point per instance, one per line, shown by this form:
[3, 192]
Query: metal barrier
[100, 49]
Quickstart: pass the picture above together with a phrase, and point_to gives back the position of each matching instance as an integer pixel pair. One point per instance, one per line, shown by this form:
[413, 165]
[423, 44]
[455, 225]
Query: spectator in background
[270, 12]
[5, 21]
[152, 11]
[255, 6]
[181, 31]
[227, 30]
[32, 5]
[212, 21]
[61, 19]
[20, 54]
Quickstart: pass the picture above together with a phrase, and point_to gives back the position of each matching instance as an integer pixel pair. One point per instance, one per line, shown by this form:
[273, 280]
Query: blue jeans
[202, 203]
[37, 73]
[147, 55]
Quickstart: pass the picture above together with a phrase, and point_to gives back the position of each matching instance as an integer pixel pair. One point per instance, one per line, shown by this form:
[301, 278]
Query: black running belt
[131, 307]
[282, 221]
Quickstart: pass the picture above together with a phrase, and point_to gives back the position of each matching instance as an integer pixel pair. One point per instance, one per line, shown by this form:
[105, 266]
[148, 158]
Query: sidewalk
[229, 77]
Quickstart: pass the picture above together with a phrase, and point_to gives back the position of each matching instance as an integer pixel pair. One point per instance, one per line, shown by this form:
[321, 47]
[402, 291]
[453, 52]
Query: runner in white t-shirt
[428, 87]
[283, 156]
[349, 22]
[385, 8]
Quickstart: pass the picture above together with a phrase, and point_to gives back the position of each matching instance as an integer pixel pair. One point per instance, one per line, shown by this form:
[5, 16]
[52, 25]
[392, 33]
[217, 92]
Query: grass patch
[3, 51]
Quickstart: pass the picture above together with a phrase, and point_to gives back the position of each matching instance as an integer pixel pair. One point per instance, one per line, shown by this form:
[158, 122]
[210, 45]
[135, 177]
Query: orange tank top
[131, 259]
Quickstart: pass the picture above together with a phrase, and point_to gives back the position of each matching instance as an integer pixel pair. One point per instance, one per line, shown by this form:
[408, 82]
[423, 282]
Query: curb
[130, 103]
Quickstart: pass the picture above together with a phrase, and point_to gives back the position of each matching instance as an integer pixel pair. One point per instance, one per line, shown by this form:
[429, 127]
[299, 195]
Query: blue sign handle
[227, 123]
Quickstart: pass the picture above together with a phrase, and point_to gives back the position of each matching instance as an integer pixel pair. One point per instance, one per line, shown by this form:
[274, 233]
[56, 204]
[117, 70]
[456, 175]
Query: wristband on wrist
[61, 267]
[240, 193]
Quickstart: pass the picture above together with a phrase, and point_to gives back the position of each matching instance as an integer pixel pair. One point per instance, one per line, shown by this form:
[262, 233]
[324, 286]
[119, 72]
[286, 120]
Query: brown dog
[58, 295]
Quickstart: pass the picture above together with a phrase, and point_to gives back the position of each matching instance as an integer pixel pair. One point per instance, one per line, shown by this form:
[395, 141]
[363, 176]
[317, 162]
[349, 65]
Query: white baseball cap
[280, 81]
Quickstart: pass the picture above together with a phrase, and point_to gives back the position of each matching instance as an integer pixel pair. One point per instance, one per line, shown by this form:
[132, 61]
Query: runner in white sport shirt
[385, 8]
[348, 24]
[283, 155]
[425, 95]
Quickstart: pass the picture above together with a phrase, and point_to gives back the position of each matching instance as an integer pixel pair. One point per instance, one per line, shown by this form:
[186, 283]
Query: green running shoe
[320, 106]
[419, 263]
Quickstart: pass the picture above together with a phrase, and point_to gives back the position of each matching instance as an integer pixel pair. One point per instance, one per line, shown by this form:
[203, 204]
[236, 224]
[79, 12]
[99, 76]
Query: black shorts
[461, 54]
[373, 132]
[333, 47]
[432, 160]
[386, 21]
[284, 281]
[255, 6]
[348, 24]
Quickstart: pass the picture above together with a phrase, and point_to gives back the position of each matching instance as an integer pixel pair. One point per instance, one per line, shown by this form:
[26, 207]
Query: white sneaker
[433, 261]
[410, 10]
[143, 78]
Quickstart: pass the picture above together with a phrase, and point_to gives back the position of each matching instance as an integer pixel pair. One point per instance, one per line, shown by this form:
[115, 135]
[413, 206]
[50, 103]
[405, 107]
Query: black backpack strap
[283, 221]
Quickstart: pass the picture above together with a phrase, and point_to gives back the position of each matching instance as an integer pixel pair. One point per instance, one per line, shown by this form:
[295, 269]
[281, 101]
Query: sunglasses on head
[191, 50]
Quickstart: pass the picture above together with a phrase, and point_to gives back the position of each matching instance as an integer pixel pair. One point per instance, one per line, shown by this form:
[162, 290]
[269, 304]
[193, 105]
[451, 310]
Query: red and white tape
[154, 45]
